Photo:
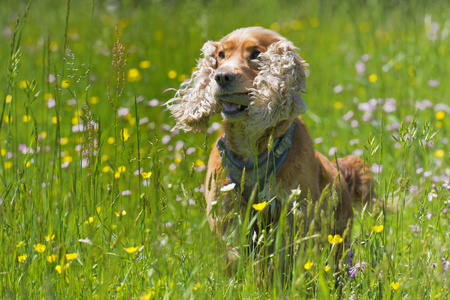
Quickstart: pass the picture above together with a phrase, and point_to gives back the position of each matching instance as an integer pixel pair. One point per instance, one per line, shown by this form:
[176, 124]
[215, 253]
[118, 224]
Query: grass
[98, 199]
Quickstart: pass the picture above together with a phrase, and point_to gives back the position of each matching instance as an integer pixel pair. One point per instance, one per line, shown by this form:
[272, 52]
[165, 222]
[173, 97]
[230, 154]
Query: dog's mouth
[234, 105]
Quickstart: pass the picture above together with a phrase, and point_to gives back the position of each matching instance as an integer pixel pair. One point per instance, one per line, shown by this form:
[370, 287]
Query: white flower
[228, 187]
[296, 192]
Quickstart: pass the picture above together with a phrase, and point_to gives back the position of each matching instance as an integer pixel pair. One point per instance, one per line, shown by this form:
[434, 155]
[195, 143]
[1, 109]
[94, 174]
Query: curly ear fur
[194, 103]
[277, 88]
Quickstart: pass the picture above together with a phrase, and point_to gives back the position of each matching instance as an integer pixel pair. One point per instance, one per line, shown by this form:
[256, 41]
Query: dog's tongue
[230, 106]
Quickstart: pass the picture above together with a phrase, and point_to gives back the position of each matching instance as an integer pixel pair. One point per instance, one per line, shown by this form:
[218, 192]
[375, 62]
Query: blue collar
[256, 174]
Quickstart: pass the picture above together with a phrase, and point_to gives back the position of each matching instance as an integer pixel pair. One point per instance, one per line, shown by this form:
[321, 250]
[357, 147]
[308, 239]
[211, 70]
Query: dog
[254, 78]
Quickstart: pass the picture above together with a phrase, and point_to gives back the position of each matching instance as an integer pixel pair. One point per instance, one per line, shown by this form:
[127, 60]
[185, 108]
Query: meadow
[99, 199]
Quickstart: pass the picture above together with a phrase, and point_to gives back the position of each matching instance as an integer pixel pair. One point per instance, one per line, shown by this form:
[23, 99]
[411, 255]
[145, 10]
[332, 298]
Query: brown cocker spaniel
[255, 79]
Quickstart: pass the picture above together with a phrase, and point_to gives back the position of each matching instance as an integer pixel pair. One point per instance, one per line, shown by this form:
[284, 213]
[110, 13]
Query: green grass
[55, 180]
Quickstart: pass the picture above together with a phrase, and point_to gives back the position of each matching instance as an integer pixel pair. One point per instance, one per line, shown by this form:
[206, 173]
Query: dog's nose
[224, 78]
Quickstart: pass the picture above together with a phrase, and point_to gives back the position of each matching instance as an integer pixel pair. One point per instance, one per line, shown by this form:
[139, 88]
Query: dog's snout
[224, 78]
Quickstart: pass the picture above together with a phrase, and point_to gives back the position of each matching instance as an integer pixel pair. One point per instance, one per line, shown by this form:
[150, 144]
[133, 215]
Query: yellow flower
[48, 96]
[26, 118]
[55, 119]
[259, 206]
[98, 209]
[439, 153]
[106, 169]
[71, 256]
[64, 141]
[199, 162]
[177, 160]
[23, 84]
[111, 140]
[8, 99]
[124, 134]
[117, 175]
[134, 75]
[2, 152]
[334, 240]
[197, 286]
[8, 165]
[378, 228]
[121, 169]
[395, 285]
[172, 74]
[65, 83]
[373, 78]
[94, 100]
[327, 268]
[120, 213]
[147, 296]
[58, 268]
[39, 248]
[308, 265]
[8, 119]
[145, 64]
[20, 244]
[440, 115]
[22, 258]
[146, 175]
[90, 220]
[131, 249]
[49, 237]
[338, 105]
[51, 258]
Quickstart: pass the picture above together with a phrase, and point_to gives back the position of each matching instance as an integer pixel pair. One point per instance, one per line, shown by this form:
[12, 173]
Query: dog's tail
[356, 174]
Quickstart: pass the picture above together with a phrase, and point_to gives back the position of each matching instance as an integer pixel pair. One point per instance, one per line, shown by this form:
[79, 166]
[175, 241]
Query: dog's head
[253, 76]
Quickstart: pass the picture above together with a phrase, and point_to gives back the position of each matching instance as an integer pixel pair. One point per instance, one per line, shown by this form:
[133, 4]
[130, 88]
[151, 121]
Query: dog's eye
[221, 54]
[255, 55]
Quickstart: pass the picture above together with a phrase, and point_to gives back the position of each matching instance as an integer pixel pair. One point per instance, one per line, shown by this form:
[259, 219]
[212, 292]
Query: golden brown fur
[255, 78]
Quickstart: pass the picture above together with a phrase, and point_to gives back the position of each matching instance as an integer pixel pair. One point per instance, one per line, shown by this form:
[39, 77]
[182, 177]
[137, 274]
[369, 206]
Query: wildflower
[172, 74]
[22, 258]
[39, 248]
[51, 258]
[197, 286]
[439, 153]
[327, 268]
[445, 264]
[124, 134]
[8, 99]
[259, 206]
[49, 237]
[337, 89]
[228, 187]
[120, 213]
[199, 163]
[26, 118]
[146, 175]
[308, 265]
[63, 141]
[446, 185]
[395, 285]
[145, 64]
[131, 250]
[71, 256]
[106, 169]
[111, 140]
[147, 296]
[440, 115]
[357, 268]
[65, 83]
[378, 228]
[58, 268]
[23, 84]
[134, 75]
[373, 78]
[334, 240]
[20, 244]
[432, 195]
[90, 220]
[296, 192]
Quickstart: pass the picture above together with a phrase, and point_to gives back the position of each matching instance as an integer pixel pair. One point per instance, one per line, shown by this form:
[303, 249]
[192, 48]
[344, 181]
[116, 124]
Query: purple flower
[432, 195]
[445, 264]
[446, 185]
[337, 89]
[421, 105]
[433, 82]
[376, 168]
[348, 115]
[357, 268]
[390, 105]
[360, 68]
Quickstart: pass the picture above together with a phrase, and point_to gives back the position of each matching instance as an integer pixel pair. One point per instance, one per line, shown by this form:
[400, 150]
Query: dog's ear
[194, 103]
[278, 87]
